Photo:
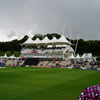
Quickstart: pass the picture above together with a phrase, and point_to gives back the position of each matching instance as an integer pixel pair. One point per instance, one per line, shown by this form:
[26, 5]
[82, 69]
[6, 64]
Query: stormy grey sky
[19, 17]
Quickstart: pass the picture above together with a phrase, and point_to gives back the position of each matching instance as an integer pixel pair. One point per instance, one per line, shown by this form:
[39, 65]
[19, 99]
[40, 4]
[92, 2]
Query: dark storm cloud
[47, 16]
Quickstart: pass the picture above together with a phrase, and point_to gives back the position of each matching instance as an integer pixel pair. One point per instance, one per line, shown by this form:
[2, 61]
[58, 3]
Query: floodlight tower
[70, 34]
[76, 44]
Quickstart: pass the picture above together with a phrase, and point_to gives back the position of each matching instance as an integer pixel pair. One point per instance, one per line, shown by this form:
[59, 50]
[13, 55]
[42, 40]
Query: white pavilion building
[55, 48]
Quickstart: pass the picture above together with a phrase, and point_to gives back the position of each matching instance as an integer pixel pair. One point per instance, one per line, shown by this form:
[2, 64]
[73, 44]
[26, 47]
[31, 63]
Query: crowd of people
[75, 64]
[85, 64]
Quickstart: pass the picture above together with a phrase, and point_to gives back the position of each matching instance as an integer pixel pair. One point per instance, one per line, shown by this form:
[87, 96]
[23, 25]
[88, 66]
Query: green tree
[2, 53]
[8, 53]
[16, 53]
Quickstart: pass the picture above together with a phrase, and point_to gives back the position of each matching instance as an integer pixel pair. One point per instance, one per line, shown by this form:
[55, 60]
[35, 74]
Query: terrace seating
[9, 62]
[51, 64]
[20, 63]
[39, 64]
[45, 63]
[62, 63]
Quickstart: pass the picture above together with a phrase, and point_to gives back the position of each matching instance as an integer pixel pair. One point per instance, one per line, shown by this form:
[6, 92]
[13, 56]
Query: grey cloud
[11, 34]
[47, 16]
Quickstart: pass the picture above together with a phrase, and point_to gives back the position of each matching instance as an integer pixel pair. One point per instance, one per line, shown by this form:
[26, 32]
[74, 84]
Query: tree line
[14, 46]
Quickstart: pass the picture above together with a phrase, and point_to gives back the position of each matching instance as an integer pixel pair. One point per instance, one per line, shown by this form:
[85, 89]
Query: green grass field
[45, 83]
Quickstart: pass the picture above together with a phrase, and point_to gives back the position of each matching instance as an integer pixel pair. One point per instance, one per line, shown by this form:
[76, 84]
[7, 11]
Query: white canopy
[83, 56]
[54, 39]
[72, 56]
[87, 55]
[71, 49]
[77, 56]
[37, 41]
[45, 40]
[5, 56]
[12, 56]
[63, 40]
[28, 41]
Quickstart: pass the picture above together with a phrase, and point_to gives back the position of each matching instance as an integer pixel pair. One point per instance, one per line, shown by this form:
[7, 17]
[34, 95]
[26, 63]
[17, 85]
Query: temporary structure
[37, 41]
[12, 56]
[29, 41]
[54, 40]
[72, 56]
[45, 40]
[62, 39]
[5, 56]
[77, 57]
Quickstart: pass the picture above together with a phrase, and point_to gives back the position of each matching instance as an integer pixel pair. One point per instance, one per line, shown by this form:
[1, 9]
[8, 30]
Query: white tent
[83, 56]
[5, 56]
[54, 40]
[45, 40]
[28, 41]
[72, 56]
[87, 55]
[77, 57]
[71, 49]
[62, 39]
[37, 41]
[12, 56]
